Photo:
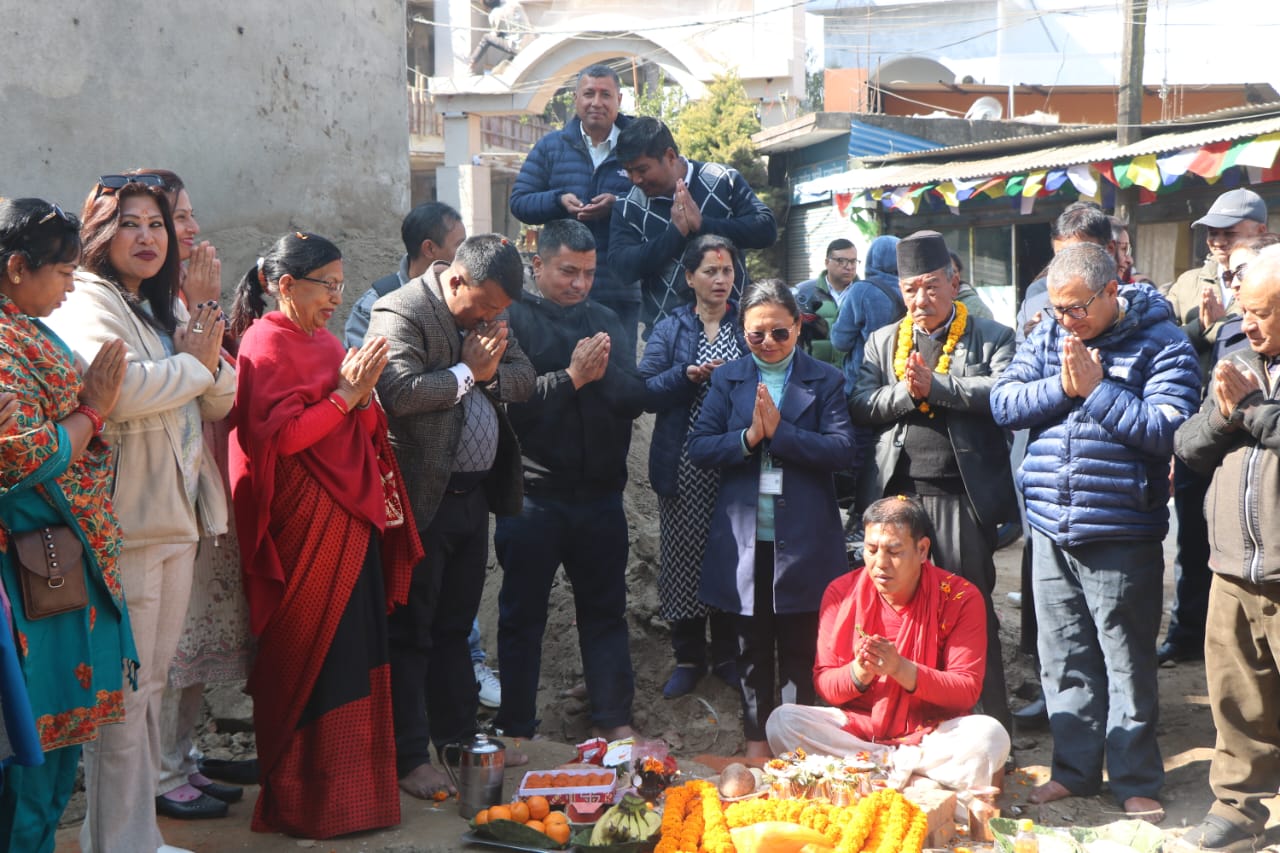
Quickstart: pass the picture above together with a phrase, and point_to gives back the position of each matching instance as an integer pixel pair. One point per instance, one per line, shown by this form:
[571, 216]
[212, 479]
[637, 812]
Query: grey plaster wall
[277, 114]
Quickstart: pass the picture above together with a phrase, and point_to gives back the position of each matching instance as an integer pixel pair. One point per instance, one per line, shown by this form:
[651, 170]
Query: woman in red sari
[326, 548]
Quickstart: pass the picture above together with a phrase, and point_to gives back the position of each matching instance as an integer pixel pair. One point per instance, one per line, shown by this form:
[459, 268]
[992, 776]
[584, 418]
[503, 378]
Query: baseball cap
[1234, 207]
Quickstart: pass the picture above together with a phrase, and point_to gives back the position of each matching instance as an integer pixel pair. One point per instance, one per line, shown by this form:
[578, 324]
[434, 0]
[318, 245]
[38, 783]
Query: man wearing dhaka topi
[902, 645]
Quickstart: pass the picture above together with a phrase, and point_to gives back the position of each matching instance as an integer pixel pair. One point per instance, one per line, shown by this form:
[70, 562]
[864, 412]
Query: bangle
[93, 416]
[339, 403]
[366, 404]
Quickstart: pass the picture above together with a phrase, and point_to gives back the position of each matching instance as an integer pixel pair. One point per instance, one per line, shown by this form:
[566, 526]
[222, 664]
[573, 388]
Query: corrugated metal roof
[1053, 157]
[868, 140]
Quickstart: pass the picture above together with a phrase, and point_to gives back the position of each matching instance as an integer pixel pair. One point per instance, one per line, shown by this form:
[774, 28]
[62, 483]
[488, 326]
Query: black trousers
[434, 694]
[775, 653]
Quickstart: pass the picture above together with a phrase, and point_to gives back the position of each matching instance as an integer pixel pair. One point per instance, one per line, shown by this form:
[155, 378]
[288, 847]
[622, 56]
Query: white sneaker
[490, 687]
[167, 848]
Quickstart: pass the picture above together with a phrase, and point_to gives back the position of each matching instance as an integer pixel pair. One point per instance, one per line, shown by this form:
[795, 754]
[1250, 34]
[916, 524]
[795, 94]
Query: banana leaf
[510, 832]
[581, 840]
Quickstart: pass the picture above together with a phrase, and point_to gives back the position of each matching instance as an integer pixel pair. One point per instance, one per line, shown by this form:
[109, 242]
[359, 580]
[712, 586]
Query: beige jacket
[149, 492]
[1184, 295]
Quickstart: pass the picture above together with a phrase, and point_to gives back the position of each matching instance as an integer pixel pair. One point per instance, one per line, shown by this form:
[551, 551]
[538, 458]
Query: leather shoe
[1169, 652]
[200, 808]
[243, 772]
[226, 793]
[727, 671]
[1032, 715]
[682, 681]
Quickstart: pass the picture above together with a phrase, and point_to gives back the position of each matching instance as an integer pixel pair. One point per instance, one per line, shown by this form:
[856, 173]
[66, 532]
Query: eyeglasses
[1075, 312]
[331, 286]
[108, 184]
[1233, 278]
[844, 262]
[779, 335]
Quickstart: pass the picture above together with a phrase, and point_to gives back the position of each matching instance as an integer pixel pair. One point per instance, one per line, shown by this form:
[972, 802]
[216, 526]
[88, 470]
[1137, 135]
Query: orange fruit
[538, 807]
[499, 813]
[482, 817]
[520, 812]
[558, 832]
[555, 819]
[561, 780]
[537, 824]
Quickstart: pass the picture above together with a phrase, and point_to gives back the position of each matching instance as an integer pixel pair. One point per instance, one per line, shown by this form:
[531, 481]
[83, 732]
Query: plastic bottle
[1026, 841]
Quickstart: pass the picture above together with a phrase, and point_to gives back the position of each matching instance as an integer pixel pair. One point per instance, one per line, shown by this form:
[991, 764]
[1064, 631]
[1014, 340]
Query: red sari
[320, 576]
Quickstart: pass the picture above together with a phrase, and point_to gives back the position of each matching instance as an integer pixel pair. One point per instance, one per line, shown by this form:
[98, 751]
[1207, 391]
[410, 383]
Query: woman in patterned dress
[678, 360]
[63, 674]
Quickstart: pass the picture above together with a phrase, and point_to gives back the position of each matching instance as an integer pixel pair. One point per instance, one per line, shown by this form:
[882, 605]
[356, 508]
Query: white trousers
[179, 759]
[121, 766]
[961, 753]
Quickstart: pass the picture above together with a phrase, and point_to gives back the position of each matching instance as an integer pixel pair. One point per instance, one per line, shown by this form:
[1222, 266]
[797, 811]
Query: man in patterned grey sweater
[673, 201]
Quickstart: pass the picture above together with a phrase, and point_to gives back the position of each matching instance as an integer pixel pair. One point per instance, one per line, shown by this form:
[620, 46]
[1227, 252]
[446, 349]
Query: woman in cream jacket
[167, 490]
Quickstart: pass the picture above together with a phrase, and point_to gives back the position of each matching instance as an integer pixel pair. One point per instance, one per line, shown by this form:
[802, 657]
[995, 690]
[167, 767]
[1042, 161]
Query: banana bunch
[630, 820]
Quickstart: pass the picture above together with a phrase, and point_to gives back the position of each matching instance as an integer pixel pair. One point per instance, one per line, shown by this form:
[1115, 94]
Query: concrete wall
[278, 115]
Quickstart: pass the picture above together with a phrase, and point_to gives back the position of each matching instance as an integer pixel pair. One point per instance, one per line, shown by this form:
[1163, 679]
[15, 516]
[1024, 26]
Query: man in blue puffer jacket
[574, 174]
[1102, 391]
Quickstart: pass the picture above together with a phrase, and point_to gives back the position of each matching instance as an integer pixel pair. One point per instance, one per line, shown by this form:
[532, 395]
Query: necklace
[905, 331]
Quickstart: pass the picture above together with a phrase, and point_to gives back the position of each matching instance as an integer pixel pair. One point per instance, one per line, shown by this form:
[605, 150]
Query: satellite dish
[985, 108]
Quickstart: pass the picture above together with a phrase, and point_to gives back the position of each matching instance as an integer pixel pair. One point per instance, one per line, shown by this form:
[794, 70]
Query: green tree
[717, 128]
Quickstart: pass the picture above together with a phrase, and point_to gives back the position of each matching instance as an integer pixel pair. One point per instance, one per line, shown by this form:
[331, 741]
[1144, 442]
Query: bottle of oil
[1025, 841]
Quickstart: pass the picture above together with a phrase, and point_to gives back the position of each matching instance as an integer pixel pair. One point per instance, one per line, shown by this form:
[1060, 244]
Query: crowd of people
[188, 496]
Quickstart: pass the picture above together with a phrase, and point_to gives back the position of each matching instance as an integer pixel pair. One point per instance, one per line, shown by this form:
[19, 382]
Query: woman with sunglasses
[327, 545]
[215, 643]
[681, 354]
[64, 677]
[167, 491]
[776, 425]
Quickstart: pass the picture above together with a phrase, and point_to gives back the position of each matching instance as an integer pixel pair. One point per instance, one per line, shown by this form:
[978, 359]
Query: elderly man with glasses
[1102, 391]
[924, 388]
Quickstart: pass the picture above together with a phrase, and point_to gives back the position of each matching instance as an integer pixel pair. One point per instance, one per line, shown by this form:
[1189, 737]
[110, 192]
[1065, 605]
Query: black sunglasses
[111, 183]
[1233, 277]
[781, 335]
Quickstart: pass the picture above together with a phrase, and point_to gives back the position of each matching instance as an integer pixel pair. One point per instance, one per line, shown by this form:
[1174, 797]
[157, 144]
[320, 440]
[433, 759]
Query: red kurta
[943, 630]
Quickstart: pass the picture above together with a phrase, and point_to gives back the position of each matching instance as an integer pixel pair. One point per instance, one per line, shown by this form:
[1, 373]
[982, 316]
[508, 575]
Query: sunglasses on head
[54, 210]
[108, 184]
[781, 335]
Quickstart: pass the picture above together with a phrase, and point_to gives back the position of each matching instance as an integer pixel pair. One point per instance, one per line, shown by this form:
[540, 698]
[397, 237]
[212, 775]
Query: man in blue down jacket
[1102, 391]
[574, 174]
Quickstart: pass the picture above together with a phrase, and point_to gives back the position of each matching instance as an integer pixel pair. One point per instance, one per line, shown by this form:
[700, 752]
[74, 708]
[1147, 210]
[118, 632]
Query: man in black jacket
[574, 435]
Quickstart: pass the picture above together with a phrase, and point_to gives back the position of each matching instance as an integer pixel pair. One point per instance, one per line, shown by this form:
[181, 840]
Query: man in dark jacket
[674, 200]
[1102, 390]
[574, 435]
[574, 174]
[934, 433]
[1235, 439]
[823, 296]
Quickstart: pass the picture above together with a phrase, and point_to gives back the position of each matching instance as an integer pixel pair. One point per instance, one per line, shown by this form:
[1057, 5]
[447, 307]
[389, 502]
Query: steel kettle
[481, 764]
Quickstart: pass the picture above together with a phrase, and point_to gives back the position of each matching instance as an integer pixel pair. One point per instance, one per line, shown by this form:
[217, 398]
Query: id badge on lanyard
[770, 477]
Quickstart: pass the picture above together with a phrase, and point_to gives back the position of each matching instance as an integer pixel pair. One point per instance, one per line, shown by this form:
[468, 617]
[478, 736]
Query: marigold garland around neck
[905, 339]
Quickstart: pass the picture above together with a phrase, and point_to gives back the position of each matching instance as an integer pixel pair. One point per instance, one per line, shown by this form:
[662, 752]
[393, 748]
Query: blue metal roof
[866, 140]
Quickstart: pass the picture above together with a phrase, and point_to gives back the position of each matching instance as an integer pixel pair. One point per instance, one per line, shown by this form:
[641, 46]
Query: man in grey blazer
[935, 436]
[453, 364]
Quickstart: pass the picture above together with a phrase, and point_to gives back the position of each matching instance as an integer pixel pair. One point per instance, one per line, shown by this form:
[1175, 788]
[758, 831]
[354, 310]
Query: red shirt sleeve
[312, 424]
[954, 687]
[832, 670]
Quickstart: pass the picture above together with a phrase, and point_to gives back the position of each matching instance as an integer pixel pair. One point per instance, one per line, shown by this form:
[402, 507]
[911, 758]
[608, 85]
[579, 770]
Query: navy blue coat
[1098, 468]
[672, 347]
[559, 164]
[814, 439]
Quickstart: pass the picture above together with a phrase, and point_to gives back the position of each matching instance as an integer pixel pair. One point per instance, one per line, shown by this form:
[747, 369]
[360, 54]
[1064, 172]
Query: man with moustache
[924, 388]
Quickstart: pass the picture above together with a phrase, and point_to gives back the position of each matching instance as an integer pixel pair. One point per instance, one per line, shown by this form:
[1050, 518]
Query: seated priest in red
[901, 650]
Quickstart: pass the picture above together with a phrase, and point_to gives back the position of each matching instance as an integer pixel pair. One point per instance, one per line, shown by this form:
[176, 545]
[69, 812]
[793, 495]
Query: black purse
[50, 564]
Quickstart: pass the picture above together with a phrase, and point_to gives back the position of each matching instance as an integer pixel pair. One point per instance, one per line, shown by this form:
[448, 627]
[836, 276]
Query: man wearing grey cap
[924, 387]
[1201, 300]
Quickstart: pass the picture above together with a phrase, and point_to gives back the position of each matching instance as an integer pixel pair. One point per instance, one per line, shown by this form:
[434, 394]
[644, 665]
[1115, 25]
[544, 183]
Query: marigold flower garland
[906, 339]
[693, 821]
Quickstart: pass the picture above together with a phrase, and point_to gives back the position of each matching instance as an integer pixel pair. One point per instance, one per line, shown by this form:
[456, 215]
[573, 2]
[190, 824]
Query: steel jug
[481, 764]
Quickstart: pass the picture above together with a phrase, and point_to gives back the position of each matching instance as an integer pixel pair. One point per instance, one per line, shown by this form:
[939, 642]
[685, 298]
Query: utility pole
[1129, 113]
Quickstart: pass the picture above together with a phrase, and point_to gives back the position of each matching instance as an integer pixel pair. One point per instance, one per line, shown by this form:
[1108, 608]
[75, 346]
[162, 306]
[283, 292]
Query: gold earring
[17, 279]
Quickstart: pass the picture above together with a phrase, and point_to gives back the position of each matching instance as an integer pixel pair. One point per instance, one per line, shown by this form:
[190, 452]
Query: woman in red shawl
[326, 548]
[901, 650]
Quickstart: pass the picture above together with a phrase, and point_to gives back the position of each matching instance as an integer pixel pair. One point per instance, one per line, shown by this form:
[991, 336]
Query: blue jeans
[473, 643]
[1099, 608]
[589, 537]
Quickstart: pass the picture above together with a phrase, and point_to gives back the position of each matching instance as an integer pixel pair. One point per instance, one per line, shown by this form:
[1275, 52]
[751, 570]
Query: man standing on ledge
[574, 433]
[574, 174]
[674, 200]
[1102, 391]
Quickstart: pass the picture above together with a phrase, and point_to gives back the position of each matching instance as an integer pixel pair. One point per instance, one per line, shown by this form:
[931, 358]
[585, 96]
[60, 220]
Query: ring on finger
[198, 328]
[879, 661]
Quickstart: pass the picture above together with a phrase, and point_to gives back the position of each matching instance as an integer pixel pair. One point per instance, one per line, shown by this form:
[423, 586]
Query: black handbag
[50, 564]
